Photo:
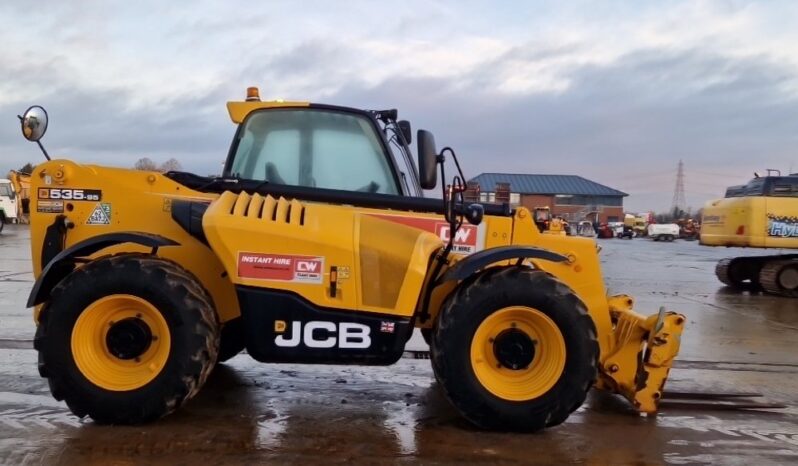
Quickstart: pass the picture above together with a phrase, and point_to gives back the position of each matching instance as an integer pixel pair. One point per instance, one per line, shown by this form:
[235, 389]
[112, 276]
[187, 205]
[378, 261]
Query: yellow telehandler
[315, 246]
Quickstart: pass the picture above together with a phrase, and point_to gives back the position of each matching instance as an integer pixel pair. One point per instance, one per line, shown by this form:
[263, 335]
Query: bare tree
[145, 163]
[170, 165]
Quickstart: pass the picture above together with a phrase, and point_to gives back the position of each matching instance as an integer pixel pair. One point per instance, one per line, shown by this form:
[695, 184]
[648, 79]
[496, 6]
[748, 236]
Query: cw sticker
[101, 215]
[468, 239]
[281, 267]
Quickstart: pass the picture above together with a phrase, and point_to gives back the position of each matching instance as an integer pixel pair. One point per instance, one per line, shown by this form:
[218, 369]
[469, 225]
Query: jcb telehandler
[315, 246]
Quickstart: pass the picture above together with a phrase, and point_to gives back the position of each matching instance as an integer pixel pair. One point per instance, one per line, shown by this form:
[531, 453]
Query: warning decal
[101, 215]
[280, 267]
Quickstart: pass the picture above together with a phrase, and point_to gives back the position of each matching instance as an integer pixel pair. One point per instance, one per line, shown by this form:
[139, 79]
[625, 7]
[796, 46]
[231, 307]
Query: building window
[515, 199]
[487, 198]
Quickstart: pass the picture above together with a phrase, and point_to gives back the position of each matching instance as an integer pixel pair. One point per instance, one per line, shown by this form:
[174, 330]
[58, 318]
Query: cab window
[314, 148]
[784, 187]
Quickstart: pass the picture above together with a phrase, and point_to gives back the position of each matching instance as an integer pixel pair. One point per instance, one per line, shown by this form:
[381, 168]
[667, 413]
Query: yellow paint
[239, 110]
[656, 338]
[743, 221]
[526, 383]
[90, 352]
[136, 205]
[395, 256]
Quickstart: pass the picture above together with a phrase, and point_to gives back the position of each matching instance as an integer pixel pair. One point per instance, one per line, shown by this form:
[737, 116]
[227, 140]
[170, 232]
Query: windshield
[313, 148]
[5, 190]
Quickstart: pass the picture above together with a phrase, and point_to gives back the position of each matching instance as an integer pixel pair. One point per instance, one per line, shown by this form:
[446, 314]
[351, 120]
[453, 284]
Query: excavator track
[722, 271]
[741, 272]
[780, 277]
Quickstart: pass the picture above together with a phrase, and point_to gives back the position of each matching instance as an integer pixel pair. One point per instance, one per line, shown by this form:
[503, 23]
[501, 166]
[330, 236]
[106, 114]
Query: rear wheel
[127, 339]
[426, 333]
[515, 350]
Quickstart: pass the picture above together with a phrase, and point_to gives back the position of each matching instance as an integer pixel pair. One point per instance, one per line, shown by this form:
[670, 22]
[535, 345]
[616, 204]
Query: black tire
[426, 333]
[2, 222]
[232, 340]
[178, 297]
[462, 315]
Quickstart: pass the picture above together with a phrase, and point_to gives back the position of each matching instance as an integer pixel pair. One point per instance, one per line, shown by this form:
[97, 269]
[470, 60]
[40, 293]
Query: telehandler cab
[315, 246]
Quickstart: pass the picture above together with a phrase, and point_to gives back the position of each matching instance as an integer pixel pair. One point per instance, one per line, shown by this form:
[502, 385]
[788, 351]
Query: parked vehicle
[761, 214]
[605, 231]
[8, 203]
[303, 257]
[663, 231]
[585, 228]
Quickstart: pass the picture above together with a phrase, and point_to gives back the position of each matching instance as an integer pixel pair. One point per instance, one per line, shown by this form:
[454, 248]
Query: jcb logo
[322, 334]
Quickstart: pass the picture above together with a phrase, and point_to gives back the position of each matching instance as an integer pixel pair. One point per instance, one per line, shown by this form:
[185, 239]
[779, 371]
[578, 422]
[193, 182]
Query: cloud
[611, 92]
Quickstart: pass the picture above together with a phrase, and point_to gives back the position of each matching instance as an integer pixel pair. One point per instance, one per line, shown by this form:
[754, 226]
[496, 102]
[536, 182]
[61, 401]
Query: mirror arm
[46, 155]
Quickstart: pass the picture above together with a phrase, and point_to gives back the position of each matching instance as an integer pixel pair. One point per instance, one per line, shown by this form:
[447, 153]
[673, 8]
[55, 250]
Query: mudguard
[64, 262]
[466, 267]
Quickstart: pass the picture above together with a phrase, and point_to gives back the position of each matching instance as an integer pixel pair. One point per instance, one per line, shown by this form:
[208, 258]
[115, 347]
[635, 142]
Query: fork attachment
[641, 353]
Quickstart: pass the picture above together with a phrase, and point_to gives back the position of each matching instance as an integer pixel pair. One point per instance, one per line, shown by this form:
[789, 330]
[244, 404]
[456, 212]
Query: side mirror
[407, 133]
[34, 123]
[427, 159]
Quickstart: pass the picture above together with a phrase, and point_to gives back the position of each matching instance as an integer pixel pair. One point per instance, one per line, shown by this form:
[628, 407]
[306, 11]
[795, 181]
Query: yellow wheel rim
[98, 357]
[513, 328]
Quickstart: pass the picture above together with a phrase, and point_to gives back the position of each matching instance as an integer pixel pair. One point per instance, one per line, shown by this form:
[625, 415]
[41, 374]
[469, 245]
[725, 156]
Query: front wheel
[515, 350]
[127, 339]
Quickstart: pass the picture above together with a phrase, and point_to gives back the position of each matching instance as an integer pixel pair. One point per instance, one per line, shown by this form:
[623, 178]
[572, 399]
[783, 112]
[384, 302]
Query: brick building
[570, 196]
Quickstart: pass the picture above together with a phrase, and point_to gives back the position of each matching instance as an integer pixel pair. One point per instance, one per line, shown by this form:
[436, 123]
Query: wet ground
[254, 413]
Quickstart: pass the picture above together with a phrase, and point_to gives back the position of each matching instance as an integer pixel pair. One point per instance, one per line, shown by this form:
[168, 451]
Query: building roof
[545, 184]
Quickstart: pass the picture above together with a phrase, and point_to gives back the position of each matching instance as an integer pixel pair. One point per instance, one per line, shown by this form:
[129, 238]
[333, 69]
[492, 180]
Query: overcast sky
[617, 92]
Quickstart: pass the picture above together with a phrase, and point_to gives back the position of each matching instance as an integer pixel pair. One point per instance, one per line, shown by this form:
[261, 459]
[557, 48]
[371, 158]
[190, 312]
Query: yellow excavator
[760, 214]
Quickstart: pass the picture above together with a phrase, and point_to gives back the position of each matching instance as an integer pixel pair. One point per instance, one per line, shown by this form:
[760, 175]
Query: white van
[8, 203]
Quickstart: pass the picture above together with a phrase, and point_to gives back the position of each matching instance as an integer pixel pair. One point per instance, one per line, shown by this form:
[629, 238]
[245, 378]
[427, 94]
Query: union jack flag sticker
[387, 327]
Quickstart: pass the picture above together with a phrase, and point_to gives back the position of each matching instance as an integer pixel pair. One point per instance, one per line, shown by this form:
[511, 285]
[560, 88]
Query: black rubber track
[470, 305]
[770, 277]
[184, 303]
